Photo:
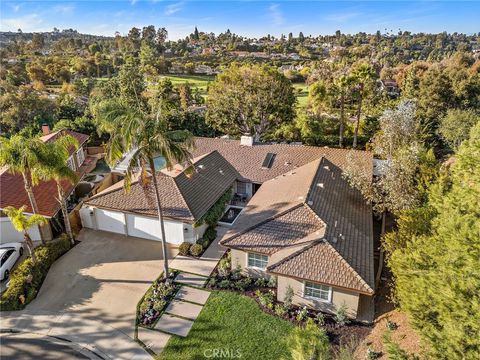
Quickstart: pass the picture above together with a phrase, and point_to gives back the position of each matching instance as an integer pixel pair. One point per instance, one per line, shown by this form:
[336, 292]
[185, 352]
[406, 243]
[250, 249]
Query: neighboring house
[185, 196]
[260, 162]
[314, 232]
[12, 192]
[390, 87]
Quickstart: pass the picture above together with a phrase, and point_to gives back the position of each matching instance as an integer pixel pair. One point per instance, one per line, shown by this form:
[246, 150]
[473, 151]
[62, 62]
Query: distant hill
[49, 36]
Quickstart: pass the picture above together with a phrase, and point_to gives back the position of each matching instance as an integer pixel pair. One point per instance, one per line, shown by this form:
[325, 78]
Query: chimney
[45, 129]
[246, 140]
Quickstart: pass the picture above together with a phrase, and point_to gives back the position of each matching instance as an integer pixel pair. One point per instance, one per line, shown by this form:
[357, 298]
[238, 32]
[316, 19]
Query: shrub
[212, 282]
[288, 299]
[280, 310]
[237, 272]
[272, 282]
[320, 319]
[341, 317]
[243, 284]
[154, 301]
[196, 250]
[372, 354]
[224, 267]
[261, 282]
[26, 279]
[210, 234]
[216, 211]
[224, 284]
[265, 299]
[302, 314]
[184, 248]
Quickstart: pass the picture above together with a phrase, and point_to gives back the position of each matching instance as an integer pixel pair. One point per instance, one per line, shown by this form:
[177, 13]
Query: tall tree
[57, 154]
[22, 223]
[24, 156]
[250, 99]
[132, 130]
[440, 262]
[364, 76]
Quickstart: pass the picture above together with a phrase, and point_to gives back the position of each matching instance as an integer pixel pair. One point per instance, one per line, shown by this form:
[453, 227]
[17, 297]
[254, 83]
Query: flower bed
[339, 328]
[155, 300]
[27, 278]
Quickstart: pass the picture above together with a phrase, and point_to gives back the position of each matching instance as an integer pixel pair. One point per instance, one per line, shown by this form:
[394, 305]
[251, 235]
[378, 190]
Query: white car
[9, 254]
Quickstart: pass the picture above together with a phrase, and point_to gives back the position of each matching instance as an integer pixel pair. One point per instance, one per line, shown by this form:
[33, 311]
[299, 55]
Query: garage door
[149, 228]
[110, 221]
[143, 227]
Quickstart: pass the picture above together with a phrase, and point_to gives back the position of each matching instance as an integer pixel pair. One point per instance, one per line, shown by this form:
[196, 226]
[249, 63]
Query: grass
[234, 323]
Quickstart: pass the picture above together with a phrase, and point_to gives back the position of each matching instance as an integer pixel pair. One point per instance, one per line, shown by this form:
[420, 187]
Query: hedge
[27, 278]
[216, 212]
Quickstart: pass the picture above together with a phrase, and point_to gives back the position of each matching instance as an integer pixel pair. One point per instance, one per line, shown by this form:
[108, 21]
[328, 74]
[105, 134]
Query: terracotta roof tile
[319, 262]
[184, 197]
[12, 189]
[248, 159]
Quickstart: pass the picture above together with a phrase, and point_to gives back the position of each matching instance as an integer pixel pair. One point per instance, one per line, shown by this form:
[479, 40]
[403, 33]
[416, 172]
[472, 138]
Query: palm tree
[363, 75]
[22, 223]
[57, 154]
[145, 136]
[24, 156]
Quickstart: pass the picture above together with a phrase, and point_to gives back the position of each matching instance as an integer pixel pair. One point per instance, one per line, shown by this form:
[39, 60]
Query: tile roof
[319, 262]
[185, 196]
[278, 232]
[348, 220]
[81, 138]
[12, 189]
[248, 160]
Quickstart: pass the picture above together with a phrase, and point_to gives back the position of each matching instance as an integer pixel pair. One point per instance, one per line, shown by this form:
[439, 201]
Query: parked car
[9, 254]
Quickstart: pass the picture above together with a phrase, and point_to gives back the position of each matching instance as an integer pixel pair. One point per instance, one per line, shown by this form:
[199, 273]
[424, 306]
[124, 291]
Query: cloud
[15, 8]
[133, 2]
[28, 23]
[342, 17]
[64, 9]
[173, 8]
[276, 14]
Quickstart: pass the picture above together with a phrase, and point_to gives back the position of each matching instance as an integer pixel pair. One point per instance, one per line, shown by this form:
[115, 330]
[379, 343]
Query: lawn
[234, 323]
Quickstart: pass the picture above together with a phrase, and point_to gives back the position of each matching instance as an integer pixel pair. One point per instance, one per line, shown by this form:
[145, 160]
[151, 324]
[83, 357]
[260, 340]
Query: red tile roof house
[12, 192]
[303, 223]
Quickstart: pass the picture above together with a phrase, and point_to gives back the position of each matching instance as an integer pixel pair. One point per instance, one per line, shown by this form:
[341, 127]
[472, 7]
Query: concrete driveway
[102, 279]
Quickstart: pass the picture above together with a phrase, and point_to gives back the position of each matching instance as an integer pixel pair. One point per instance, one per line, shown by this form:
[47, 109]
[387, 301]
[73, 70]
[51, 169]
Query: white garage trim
[111, 221]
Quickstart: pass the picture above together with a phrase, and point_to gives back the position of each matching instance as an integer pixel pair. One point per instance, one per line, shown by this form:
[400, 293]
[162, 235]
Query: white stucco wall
[192, 233]
[9, 234]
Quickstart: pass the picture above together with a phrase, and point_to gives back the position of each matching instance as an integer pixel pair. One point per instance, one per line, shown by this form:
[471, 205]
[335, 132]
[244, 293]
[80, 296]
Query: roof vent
[334, 239]
[201, 166]
[287, 163]
[268, 161]
[326, 167]
[310, 202]
[221, 172]
[320, 185]
[246, 140]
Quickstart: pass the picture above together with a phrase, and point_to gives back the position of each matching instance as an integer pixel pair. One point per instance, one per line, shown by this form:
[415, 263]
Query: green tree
[132, 130]
[57, 154]
[442, 265]
[364, 77]
[22, 223]
[250, 99]
[455, 126]
[309, 343]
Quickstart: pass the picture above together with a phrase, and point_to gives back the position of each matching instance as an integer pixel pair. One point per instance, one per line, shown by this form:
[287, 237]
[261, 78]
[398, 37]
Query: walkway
[207, 262]
[181, 313]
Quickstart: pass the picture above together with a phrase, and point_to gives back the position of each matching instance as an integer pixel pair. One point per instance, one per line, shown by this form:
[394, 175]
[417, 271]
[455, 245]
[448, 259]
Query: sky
[248, 18]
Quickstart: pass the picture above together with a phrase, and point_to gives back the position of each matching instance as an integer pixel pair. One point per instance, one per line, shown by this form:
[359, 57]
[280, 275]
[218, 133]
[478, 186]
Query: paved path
[91, 293]
[207, 262]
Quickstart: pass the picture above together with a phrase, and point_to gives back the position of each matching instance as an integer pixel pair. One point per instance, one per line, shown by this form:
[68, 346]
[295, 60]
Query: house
[390, 87]
[186, 196]
[12, 192]
[303, 224]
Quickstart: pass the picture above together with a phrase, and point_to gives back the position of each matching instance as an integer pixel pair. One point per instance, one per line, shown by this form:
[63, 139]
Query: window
[257, 261]
[317, 291]
[80, 157]
[71, 163]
